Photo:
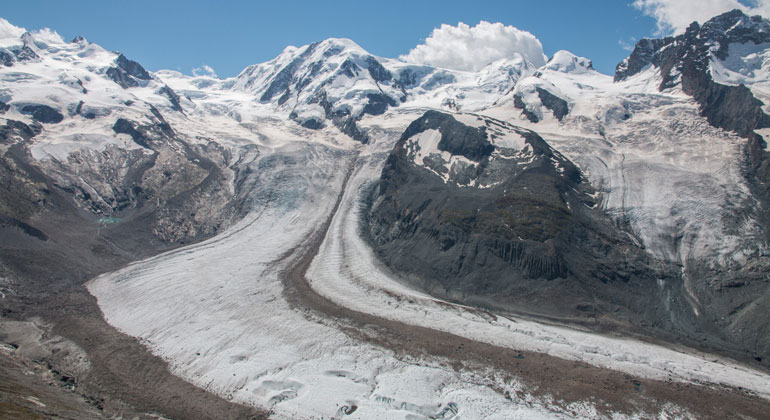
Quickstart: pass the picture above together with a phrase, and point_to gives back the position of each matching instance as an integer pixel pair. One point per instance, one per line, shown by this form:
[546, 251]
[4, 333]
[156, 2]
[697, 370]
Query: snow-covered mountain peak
[721, 64]
[565, 61]
[341, 45]
[297, 70]
[735, 26]
[516, 67]
[739, 52]
[698, 45]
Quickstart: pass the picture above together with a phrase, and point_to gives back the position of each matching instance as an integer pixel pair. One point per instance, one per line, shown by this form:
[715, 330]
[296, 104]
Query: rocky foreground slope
[634, 205]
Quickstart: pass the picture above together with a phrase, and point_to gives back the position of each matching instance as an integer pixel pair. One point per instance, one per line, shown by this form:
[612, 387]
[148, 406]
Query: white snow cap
[566, 62]
[467, 48]
[674, 16]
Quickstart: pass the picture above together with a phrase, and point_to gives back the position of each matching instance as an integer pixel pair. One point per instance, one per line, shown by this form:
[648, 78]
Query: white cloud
[625, 45]
[674, 16]
[463, 47]
[48, 36]
[204, 70]
[8, 30]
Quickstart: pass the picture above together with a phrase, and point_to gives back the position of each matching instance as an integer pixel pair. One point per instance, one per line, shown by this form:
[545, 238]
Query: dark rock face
[284, 78]
[409, 78]
[127, 73]
[23, 193]
[79, 108]
[733, 108]
[132, 68]
[645, 52]
[349, 127]
[349, 68]
[518, 103]
[6, 58]
[26, 54]
[151, 136]
[172, 97]
[9, 56]
[124, 126]
[557, 105]
[530, 242]
[378, 103]
[164, 191]
[694, 46]
[345, 122]
[52, 241]
[16, 131]
[43, 113]
[313, 124]
[377, 71]
[456, 137]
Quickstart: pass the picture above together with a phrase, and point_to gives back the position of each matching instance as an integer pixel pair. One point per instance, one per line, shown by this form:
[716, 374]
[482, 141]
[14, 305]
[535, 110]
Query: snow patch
[565, 61]
[424, 145]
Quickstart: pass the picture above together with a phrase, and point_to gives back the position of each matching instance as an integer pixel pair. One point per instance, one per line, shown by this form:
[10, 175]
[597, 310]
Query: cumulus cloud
[10, 34]
[8, 30]
[674, 16]
[48, 36]
[470, 48]
[625, 45]
[204, 70]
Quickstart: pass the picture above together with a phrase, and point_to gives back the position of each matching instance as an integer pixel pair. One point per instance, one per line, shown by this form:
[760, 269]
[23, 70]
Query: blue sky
[229, 35]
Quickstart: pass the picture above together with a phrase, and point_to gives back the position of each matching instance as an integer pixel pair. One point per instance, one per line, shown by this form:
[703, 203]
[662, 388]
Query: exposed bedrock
[43, 113]
[128, 73]
[534, 242]
[685, 59]
[133, 200]
[728, 296]
[64, 221]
